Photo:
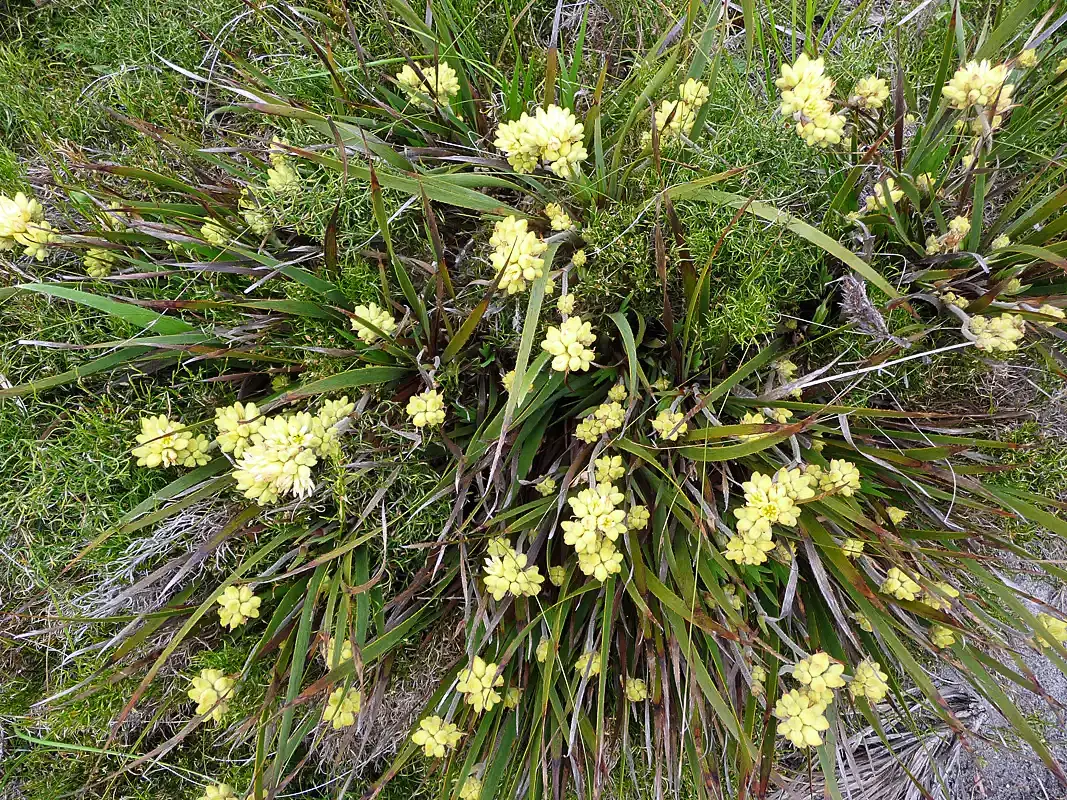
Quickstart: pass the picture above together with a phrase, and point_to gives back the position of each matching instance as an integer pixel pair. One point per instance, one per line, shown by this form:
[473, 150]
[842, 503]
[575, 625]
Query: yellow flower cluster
[1055, 626]
[953, 299]
[211, 690]
[637, 517]
[609, 468]
[598, 523]
[558, 218]
[218, 791]
[377, 316]
[841, 478]
[333, 657]
[22, 223]
[342, 707]
[507, 572]
[557, 574]
[237, 605]
[752, 419]
[479, 683]
[870, 92]
[471, 789]
[565, 304]
[278, 457]
[979, 84]
[435, 736]
[606, 417]
[436, 84]
[552, 135]
[426, 409]
[942, 637]
[237, 425]
[1001, 333]
[98, 262]
[801, 720]
[517, 254]
[949, 242]
[900, 585]
[852, 548]
[282, 177]
[162, 443]
[869, 681]
[768, 501]
[876, 201]
[512, 697]
[669, 425]
[806, 98]
[862, 621]
[587, 662]
[896, 515]
[1027, 59]
[1057, 314]
[821, 675]
[636, 690]
[677, 117]
[570, 345]
[257, 219]
[578, 259]
[940, 600]
[214, 234]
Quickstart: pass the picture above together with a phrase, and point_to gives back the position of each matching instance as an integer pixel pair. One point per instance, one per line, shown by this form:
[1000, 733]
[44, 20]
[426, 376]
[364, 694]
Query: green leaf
[135, 315]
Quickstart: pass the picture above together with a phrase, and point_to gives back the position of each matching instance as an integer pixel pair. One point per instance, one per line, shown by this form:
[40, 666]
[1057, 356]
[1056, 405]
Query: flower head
[426, 409]
[800, 719]
[1027, 59]
[900, 585]
[36, 238]
[279, 458]
[877, 200]
[942, 637]
[751, 419]
[609, 468]
[941, 599]
[471, 789]
[546, 486]
[215, 234]
[542, 650]
[819, 672]
[342, 707]
[565, 304]
[977, 84]
[597, 514]
[806, 98]
[436, 84]
[869, 681]
[479, 683]
[870, 92]
[99, 262]
[211, 690]
[636, 690]
[852, 548]
[237, 605]
[16, 215]
[669, 425]
[601, 560]
[637, 517]
[570, 344]
[377, 316]
[558, 218]
[334, 656]
[1055, 626]
[578, 259]
[283, 178]
[517, 254]
[435, 736]
[237, 426]
[162, 443]
[218, 791]
[507, 573]
[557, 574]
[1000, 333]
[841, 478]
[552, 135]
[588, 662]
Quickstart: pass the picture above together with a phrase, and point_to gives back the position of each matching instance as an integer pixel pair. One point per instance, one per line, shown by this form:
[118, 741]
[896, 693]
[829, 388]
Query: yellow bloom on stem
[565, 304]
[517, 256]
[1027, 59]
[852, 548]
[237, 605]
[512, 697]
[283, 178]
[334, 657]
[546, 486]
[578, 259]
[942, 637]
[162, 443]
[636, 690]
[870, 92]
[900, 585]
[751, 419]
[215, 234]
[552, 135]
[601, 560]
[877, 200]
[435, 736]
[942, 599]
[617, 393]
[218, 791]
[279, 459]
[862, 621]
[436, 84]
[542, 650]
[237, 426]
[377, 316]
[991, 334]
[471, 789]
[841, 478]
[557, 574]
[869, 681]
[426, 409]
[597, 513]
[1055, 626]
[977, 84]
[478, 683]
[507, 573]
[342, 707]
[99, 262]
[800, 720]
[16, 215]
[588, 662]
[570, 344]
[609, 468]
[558, 218]
[36, 239]
[1048, 310]
[669, 425]
[819, 672]
[211, 690]
[637, 517]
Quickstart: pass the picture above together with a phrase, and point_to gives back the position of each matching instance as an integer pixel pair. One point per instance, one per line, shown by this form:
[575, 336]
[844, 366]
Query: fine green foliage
[538, 443]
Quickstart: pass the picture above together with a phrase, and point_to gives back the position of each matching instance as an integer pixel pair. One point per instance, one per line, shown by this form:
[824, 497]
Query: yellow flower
[841, 478]
[942, 637]
[335, 658]
[237, 426]
[806, 98]
[507, 573]
[977, 84]
[587, 662]
[558, 218]
[1027, 59]
[767, 502]
[211, 691]
[557, 574]
[942, 599]
[512, 696]
[1050, 311]
[862, 621]
[471, 789]
[479, 683]
[517, 254]
[601, 560]
[163, 443]
[877, 200]
[16, 215]
[342, 707]
[546, 486]
[636, 690]
[257, 219]
[953, 299]
[870, 92]
[1062, 66]
[1055, 626]
[98, 262]
[801, 720]
[426, 409]
[237, 605]
[819, 672]
[669, 425]
[617, 393]
[215, 234]
[605, 417]
[780, 415]
[869, 681]
[377, 316]
[553, 136]
[279, 459]
[609, 468]
[759, 676]
[218, 791]
[1001, 242]
[1001, 333]
[437, 84]
[333, 411]
[435, 736]
[498, 547]
[542, 650]
[36, 238]
[751, 419]
[733, 597]
[596, 514]
[852, 548]
[283, 178]
[570, 344]
[565, 304]
[900, 585]
[578, 259]
[637, 517]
